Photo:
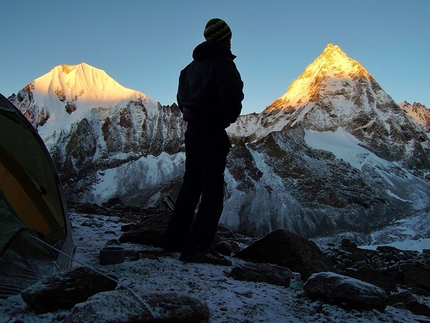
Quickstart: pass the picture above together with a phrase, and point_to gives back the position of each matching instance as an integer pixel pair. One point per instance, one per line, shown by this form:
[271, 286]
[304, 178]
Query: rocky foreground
[345, 275]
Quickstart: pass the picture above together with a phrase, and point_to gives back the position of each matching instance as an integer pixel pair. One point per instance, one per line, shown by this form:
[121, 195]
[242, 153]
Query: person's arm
[230, 91]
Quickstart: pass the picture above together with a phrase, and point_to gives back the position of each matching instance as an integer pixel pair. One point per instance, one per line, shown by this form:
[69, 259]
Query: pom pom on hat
[216, 30]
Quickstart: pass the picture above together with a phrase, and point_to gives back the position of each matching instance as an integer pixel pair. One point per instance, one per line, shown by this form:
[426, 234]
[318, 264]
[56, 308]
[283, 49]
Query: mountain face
[418, 113]
[335, 156]
[105, 139]
[335, 92]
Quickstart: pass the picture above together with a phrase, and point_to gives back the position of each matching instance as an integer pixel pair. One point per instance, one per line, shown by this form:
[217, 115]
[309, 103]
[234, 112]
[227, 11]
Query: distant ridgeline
[335, 156]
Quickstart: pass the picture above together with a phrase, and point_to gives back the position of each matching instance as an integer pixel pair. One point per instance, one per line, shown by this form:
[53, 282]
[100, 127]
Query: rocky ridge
[342, 275]
[419, 113]
[374, 175]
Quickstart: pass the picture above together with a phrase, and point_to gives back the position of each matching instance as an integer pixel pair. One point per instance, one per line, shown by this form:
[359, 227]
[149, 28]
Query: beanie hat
[216, 30]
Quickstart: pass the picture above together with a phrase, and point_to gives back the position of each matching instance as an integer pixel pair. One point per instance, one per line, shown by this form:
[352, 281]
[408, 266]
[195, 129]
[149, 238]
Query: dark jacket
[210, 87]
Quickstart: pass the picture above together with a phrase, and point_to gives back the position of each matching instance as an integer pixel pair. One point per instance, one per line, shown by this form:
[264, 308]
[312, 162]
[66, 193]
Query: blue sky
[143, 45]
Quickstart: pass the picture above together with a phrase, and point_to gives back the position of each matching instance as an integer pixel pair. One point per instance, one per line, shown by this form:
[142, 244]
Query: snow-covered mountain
[334, 156]
[419, 113]
[335, 92]
[58, 93]
[106, 140]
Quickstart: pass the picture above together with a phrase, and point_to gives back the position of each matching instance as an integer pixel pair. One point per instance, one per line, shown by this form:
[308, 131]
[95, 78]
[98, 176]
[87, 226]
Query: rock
[173, 307]
[64, 290]
[386, 267]
[346, 290]
[224, 248]
[109, 307]
[348, 243]
[149, 232]
[113, 207]
[113, 202]
[126, 227]
[410, 302]
[416, 274]
[284, 248]
[224, 233]
[125, 306]
[267, 273]
[372, 276]
[152, 232]
[89, 208]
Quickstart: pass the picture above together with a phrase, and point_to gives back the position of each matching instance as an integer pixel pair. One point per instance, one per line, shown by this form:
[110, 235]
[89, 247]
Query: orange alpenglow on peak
[82, 83]
[331, 66]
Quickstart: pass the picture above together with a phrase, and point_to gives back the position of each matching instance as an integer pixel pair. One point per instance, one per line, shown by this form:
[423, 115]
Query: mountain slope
[332, 72]
[105, 139]
[333, 154]
[418, 113]
[68, 92]
[335, 92]
[333, 157]
[338, 92]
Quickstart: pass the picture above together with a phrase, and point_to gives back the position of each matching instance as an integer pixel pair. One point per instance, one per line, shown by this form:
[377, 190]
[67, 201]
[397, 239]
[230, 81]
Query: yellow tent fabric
[33, 202]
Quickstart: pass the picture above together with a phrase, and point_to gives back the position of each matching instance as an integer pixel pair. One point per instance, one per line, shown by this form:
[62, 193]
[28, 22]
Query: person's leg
[178, 230]
[211, 205]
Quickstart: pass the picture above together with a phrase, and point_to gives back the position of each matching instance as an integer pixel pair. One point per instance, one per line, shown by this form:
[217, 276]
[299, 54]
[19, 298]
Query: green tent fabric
[9, 223]
[31, 205]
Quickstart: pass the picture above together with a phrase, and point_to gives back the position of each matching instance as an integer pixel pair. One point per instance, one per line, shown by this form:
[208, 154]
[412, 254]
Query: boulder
[224, 248]
[66, 289]
[370, 275]
[89, 208]
[284, 248]
[416, 274]
[407, 300]
[174, 307]
[267, 273]
[126, 306]
[344, 290]
[149, 232]
[386, 267]
[152, 232]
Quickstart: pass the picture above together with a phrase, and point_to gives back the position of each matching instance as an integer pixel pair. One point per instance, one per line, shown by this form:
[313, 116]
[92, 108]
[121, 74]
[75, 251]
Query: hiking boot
[208, 257]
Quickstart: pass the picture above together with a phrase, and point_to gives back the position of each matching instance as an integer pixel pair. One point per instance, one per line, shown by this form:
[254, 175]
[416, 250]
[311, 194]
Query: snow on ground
[229, 300]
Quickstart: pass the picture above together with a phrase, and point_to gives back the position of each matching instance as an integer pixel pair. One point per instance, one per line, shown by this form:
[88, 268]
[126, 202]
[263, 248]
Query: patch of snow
[418, 245]
[143, 173]
[229, 300]
[344, 146]
[396, 196]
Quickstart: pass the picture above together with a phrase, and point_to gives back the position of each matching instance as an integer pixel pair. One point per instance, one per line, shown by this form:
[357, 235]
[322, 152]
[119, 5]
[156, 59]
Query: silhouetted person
[210, 95]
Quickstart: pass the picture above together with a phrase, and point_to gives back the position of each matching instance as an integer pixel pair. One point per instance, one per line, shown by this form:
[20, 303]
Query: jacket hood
[207, 49]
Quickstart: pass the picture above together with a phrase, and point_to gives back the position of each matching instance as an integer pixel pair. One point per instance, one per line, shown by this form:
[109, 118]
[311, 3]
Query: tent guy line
[121, 285]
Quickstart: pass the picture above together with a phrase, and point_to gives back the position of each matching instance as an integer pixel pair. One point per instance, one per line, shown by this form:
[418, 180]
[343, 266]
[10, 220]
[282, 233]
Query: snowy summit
[333, 155]
[332, 70]
[67, 93]
[82, 83]
[333, 158]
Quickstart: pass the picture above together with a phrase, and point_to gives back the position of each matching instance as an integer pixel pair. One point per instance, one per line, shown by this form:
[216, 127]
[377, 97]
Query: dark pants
[206, 151]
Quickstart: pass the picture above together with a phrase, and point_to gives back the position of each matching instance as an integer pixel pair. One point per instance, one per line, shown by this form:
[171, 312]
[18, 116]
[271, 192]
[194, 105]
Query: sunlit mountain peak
[82, 83]
[70, 93]
[332, 70]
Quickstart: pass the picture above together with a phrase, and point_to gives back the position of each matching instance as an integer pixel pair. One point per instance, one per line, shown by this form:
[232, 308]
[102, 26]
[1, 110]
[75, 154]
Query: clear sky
[144, 44]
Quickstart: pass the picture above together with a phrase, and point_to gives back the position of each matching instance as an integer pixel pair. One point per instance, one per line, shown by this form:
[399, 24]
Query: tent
[33, 214]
